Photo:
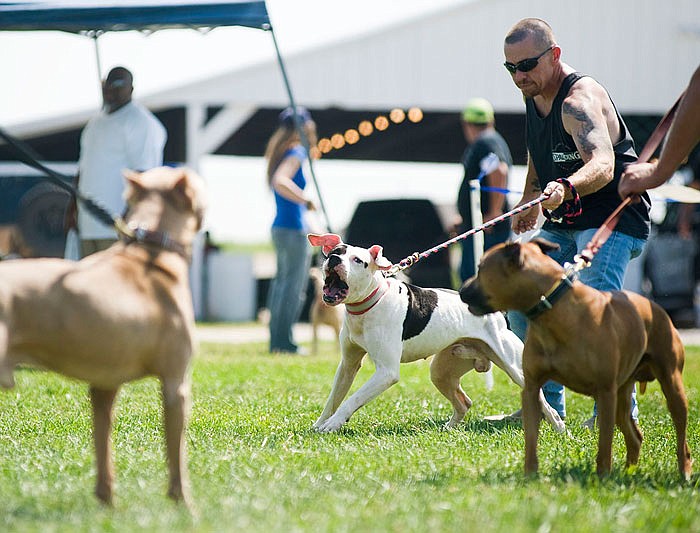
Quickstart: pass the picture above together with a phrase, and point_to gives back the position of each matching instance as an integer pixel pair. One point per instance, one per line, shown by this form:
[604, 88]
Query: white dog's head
[349, 272]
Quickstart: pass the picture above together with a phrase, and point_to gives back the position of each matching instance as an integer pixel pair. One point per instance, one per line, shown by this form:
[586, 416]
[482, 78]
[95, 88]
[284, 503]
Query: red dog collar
[368, 303]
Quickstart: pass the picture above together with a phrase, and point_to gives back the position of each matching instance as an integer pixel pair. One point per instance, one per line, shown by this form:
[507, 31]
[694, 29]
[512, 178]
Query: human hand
[525, 221]
[555, 193]
[310, 205]
[637, 178]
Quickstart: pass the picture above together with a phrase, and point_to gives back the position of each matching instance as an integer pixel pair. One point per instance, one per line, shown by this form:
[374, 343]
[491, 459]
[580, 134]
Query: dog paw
[455, 420]
[329, 426]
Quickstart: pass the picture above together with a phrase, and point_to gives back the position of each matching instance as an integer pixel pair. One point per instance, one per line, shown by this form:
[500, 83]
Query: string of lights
[365, 128]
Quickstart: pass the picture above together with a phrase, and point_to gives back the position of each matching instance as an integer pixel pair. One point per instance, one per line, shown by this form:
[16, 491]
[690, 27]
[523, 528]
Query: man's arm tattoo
[586, 127]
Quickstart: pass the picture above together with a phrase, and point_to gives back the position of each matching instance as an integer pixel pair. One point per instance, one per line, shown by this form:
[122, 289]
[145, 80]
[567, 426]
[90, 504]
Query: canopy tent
[95, 17]
[82, 16]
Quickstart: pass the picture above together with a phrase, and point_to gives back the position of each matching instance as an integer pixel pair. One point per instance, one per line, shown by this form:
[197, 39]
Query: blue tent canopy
[84, 16]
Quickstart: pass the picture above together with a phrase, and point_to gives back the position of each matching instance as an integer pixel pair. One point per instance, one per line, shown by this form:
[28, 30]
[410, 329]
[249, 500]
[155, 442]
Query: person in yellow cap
[483, 142]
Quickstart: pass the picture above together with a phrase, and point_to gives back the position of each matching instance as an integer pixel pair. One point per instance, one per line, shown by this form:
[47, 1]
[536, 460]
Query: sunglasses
[526, 65]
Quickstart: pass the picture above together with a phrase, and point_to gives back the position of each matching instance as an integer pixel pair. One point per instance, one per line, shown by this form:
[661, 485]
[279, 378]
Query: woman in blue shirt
[286, 155]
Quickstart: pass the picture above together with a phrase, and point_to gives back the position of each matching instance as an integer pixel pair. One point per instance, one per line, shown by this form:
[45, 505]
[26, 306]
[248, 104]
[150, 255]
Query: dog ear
[545, 245]
[328, 241]
[382, 262]
[183, 191]
[512, 252]
[189, 193]
[133, 184]
[132, 177]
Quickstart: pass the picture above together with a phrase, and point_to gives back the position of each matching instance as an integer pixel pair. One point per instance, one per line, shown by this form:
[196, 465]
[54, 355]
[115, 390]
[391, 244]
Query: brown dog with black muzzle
[117, 315]
[596, 343]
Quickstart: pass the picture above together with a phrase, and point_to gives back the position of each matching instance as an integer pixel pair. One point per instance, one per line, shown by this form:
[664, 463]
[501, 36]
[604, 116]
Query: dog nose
[472, 295]
[467, 292]
[333, 261]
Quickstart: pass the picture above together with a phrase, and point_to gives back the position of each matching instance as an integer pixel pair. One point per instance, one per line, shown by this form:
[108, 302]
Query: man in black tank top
[577, 144]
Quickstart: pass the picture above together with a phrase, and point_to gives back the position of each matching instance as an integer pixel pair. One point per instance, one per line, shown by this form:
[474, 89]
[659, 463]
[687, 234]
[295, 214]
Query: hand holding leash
[555, 193]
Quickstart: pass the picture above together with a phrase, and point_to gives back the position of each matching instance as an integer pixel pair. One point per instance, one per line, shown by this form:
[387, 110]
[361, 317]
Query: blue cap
[286, 117]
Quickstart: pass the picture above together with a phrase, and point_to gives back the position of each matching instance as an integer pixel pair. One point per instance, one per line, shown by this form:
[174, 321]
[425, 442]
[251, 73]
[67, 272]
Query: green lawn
[256, 465]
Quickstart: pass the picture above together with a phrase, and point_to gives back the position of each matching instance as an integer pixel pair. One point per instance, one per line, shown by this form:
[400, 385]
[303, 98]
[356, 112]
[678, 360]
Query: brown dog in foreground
[596, 343]
[117, 315]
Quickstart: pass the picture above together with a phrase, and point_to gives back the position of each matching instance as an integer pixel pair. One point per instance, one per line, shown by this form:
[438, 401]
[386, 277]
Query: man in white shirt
[124, 135]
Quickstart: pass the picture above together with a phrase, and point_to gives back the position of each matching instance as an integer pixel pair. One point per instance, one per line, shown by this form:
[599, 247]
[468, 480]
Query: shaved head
[536, 29]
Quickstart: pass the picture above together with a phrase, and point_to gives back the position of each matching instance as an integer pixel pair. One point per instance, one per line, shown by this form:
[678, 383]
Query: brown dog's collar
[548, 299]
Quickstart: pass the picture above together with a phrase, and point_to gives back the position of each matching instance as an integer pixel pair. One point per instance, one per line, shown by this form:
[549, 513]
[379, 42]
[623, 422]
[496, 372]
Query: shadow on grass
[584, 475]
[410, 427]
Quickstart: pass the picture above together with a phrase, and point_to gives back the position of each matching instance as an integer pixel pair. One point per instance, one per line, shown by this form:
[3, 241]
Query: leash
[417, 256]
[27, 156]
[128, 232]
[599, 238]
[583, 259]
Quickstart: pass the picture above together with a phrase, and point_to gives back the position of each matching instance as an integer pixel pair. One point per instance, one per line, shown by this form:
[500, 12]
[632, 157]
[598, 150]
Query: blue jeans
[498, 234]
[288, 290]
[606, 273]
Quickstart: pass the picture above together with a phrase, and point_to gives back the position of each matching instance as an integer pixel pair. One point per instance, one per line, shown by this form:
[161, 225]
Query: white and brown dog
[394, 322]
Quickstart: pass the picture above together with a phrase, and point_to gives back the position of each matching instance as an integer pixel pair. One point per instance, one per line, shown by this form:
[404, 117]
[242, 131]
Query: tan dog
[117, 315]
[596, 343]
[322, 314]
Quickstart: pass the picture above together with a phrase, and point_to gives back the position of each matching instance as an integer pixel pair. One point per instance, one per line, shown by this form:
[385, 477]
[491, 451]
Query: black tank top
[554, 155]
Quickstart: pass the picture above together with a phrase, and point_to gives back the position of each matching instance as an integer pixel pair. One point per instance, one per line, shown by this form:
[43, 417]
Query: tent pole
[95, 35]
[297, 120]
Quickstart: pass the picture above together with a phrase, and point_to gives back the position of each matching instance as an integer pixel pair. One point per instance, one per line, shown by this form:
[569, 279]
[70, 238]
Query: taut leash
[417, 256]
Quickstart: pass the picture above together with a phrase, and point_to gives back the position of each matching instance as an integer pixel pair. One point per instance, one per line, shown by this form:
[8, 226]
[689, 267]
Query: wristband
[569, 209]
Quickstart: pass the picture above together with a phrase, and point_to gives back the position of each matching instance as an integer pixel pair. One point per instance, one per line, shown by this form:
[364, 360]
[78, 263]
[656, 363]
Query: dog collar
[548, 299]
[160, 239]
[368, 303]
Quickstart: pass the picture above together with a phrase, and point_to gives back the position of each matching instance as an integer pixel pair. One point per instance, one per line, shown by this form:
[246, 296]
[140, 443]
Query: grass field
[256, 465]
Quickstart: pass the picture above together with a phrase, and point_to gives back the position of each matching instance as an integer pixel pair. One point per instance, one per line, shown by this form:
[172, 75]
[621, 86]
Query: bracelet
[569, 209]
